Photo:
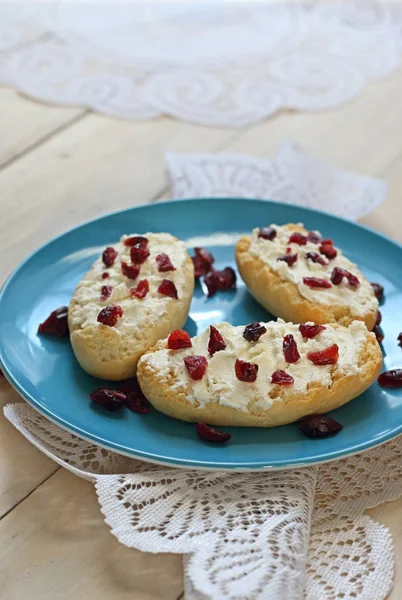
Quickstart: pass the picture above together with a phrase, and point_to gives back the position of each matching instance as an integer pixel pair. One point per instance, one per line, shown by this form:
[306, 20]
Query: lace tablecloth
[290, 534]
[215, 63]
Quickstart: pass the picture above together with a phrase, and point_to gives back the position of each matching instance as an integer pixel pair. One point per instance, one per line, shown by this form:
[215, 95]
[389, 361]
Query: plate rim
[249, 466]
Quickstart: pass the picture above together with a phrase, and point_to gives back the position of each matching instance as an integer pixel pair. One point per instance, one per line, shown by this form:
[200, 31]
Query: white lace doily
[288, 535]
[215, 63]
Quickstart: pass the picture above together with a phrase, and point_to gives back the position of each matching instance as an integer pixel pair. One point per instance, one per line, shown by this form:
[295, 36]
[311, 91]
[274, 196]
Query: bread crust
[104, 352]
[282, 298]
[287, 408]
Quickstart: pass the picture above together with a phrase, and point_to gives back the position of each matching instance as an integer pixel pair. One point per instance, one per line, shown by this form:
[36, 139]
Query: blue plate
[47, 375]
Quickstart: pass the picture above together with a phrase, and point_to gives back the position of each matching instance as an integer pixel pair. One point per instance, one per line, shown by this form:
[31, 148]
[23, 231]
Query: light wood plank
[24, 123]
[56, 545]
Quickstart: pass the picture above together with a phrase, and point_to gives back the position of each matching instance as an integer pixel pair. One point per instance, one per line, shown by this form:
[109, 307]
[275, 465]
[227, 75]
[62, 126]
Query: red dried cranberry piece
[310, 331]
[216, 341]
[168, 288]
[328, 356]
[267, 233]
[141, 290]
[204, 255]
[136, 239]
[130, 271]
[203, 261]
[109, 256]
[282, 378]
[110, 399]
[139, 253]
[378, 318]
[106, 290]
[105, 275]
[254, 331]
[110, 314]
[318, 426]
[220, 280]
[290, 259]
[391, 379]
[178, 340]
[313, 237]
[399, 338]
[316, 258]
[290, 351]
[136, 400]
[378, 334]
[208, 433]
[196, 366]
[245, 371]
[338, 274]
[164, 263]
[327, 248]
[316, 282]
[298, 238]
[378, 290]
[56, 323]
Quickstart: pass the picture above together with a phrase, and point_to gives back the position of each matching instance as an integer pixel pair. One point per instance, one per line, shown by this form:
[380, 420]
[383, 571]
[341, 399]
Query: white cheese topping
[219, 384]
[150, 308]
[360, 300]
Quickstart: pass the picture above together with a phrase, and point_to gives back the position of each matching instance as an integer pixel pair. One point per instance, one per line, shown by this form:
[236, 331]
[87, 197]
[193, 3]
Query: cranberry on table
[130, 271]
[109, 256]
[196, 366]
[310, 331]
[378, 290]
[136, 401]
[141, 290]
[210, 434]
[391, 379]
[216, 341]
[109, 398]
[399, 338]
[267, 233]
[164, 263]
[178, 340]
[110, 315]
[203, 261]
[328, 356]
[220, 280]
[168, 288]
[289, 259]
[56, 323]
[246, 371]
[318, 426]
[136, 239]
[254, 331]
[280, 377]
[290, 350]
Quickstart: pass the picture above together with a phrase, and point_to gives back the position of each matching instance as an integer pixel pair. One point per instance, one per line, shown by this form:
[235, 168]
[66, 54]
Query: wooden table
[62, 166]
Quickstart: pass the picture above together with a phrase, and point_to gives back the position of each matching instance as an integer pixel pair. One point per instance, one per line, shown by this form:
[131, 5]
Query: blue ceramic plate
[47, 375]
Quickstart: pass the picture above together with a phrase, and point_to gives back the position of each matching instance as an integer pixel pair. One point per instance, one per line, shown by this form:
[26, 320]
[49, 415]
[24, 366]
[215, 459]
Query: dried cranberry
[391, 379]
[378, 334]
[105, 275]
[109, 256]
[106, 291]
[316, 282]
[178, 340]
[136, 239]
[168, 288]
[319, 426]
[245, 371]
[316, 258]
[328, 356]
[136, 400]
[110, 314]
[164, 263]
[141, 290]
[290, 350]
[203, 261]
[378, 290]
[313, 237]
[290, 259]
[298, 238]
[338, 274]
[254, 331]
[267, 233]
[139, 253]
[399, 338]
[282, 378]
[56, 323]
[216, 341]
[110, 399]
[220, 280]
[310, 331]
[130, 271]
[204, 255]
[327, 248]
[378, 318]
[212, 435]
[196, 366]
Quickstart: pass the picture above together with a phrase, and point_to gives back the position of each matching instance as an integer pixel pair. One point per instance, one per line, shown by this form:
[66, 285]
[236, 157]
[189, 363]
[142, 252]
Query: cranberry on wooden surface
[56, 323]
[267, 233]
[168, 288]
[290, 350]
[310, 331]
[109, 256]
[316, 282]
[110, 315]
[378, 290]
[164, 263]
[298, 238]
[327, 248]
[290, 259]
[316, 258]
[245, 371]
[141, 290]
[391, 379]
[196, 366]
[136, 239]
[130, 271]
[106, 291]
[254, 331]
[178, 340]
[109, 398]
[282, 378]
[318, 426]
[328, 356]
[136, 400]
[220, 281]
[210, 434]
[313, 237]
[139, 253]
[216, 341]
